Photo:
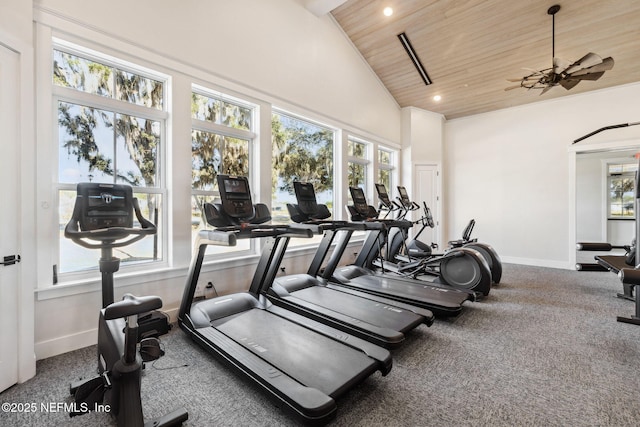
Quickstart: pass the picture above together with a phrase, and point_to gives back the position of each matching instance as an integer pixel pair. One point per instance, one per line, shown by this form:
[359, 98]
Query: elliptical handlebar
[406, 205]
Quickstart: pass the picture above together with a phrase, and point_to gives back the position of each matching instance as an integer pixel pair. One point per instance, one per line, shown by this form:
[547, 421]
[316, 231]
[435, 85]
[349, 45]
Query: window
[111, 122]
[221, 140]
[302, 151]
[621, 184]
[357, 163]
[385, 168]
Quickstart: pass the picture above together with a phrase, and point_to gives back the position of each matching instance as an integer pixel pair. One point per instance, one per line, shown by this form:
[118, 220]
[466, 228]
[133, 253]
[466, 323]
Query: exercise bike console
[103, 213]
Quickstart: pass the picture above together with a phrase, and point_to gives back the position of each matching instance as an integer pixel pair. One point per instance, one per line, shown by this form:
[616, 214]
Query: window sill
[123, 279]
[94, 284]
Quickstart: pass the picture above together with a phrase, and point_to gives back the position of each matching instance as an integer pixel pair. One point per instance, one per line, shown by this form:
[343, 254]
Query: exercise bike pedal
[89, 393]
[174, 418]
[80, 384]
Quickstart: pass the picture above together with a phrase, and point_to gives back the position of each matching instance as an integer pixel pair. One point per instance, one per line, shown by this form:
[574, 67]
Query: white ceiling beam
[322, 7]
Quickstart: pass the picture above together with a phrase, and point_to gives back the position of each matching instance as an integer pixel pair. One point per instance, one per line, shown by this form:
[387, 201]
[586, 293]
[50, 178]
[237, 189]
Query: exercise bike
[103, 219]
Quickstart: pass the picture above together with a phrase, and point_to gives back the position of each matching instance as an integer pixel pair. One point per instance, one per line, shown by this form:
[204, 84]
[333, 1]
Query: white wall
[422, 139]
[422, 143]
[276, 47]
[277, 52]
[590, 214]
[15, 19]
[510, 170]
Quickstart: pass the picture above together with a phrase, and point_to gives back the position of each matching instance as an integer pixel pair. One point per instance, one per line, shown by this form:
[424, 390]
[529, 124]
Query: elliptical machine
[418, 249]
[103, 219]
[460, 268]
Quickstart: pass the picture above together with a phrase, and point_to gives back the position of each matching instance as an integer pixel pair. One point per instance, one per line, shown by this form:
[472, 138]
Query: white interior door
[426, 190]
[9, 218]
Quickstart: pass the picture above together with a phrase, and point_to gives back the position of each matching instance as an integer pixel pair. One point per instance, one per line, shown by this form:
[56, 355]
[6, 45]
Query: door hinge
[10, 260]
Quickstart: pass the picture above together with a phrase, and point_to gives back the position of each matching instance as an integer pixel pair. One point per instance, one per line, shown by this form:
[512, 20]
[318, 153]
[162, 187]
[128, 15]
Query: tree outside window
[302, 151]
[385, 168]
[621, 183]
[220, 144]
[102, 139]
[357, 164]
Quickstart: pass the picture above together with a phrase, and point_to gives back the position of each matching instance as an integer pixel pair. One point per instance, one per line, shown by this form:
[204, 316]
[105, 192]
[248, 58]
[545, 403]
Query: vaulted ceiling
[470, 48]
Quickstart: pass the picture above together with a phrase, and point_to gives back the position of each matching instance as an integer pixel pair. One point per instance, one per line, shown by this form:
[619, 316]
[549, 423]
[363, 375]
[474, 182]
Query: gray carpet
[544, 349]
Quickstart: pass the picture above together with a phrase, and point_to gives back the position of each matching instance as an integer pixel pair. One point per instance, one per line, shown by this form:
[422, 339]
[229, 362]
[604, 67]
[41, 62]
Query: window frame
[389, 167]
[364, 161]
[629, 174]
[227, 131]
[58, 94]
[181, 78]
[305, 244]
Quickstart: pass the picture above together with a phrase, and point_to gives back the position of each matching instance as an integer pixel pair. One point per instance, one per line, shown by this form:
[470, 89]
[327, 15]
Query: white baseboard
[67, 343]
[565, 265]
[64, 344]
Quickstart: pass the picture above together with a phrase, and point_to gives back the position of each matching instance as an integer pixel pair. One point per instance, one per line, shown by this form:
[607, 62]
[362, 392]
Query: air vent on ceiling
[414, 58]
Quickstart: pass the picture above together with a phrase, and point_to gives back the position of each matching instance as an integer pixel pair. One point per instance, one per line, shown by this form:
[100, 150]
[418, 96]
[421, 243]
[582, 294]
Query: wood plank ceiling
[471, 47]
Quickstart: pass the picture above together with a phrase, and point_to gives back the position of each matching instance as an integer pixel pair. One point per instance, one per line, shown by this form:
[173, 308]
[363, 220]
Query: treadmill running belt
[411, 290]
[374, 313]
[314, 360]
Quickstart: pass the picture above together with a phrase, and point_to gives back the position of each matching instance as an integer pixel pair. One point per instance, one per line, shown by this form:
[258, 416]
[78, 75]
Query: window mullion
[205, 126]
[96, 101]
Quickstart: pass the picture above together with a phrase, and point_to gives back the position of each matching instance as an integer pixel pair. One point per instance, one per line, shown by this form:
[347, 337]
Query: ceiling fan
[563, 72]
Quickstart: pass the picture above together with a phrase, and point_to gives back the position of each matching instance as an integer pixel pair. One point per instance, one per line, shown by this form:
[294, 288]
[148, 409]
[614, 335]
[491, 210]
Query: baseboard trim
[67, 343]
[565, 265]
[64, 344]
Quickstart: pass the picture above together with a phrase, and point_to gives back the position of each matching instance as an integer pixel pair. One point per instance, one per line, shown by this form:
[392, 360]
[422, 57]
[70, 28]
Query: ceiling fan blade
[569, 83]
[514, 80]
[588, 76]
[513, 87]
[559, 65]
[606, 64]
[532, 71]
[546, 89]
[589, 60]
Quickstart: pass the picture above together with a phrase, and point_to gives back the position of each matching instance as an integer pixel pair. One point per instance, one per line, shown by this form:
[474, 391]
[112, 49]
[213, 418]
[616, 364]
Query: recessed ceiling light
[387, 11]
[437, 98]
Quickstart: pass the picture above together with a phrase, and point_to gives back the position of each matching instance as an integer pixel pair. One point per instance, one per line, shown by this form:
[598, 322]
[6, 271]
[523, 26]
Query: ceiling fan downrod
[552, 11]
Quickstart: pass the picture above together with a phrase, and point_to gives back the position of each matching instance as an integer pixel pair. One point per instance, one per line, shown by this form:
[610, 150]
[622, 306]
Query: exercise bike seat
[131, 305]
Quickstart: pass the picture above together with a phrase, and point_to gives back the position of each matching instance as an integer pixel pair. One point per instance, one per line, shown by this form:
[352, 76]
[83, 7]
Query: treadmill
[443, 302]
[301, 364]
[376, 319]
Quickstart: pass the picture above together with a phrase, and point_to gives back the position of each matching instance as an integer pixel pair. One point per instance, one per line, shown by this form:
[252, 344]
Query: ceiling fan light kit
[562, 72]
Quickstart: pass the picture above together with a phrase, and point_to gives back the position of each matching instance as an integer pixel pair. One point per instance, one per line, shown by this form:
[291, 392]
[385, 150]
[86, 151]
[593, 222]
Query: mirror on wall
[605, 205]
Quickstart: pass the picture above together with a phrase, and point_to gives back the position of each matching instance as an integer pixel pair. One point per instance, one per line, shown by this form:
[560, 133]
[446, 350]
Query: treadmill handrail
[217, 238]
[252, 231]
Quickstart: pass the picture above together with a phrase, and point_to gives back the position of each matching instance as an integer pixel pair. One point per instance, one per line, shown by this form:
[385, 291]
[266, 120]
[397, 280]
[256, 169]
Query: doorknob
[10, 260]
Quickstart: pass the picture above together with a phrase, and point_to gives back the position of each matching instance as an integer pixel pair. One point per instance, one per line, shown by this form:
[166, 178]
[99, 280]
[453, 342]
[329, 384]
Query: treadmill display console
[104, 206]
[404, 196]
[383, 195]
[359, 200]
[236, 197]
[306, 196]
